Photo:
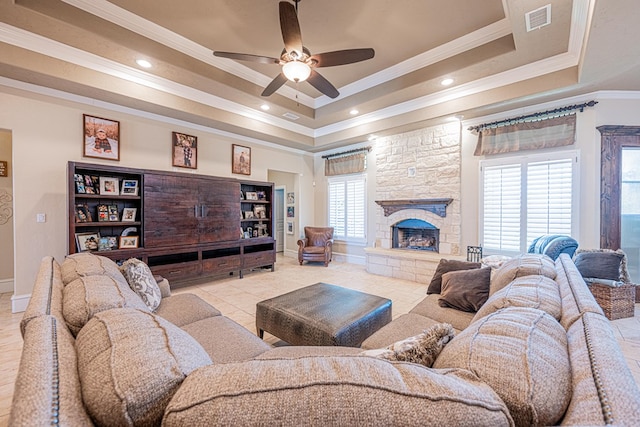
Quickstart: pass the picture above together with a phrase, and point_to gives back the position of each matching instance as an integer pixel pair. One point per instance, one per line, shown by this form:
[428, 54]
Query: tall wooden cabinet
[187, 226]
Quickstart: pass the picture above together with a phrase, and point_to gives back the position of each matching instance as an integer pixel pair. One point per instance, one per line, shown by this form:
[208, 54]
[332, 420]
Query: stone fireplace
[414, 171]
[415, 234]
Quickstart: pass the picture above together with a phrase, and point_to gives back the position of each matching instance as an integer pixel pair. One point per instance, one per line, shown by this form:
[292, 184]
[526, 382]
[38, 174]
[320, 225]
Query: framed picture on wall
[290, 212]
[289, 227]
[185, 150]
[291, 198]
[240, 159]
[101, 138]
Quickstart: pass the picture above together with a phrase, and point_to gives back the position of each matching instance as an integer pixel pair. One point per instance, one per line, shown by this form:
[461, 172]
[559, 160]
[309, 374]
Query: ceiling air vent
[289, 115]
[538, 18]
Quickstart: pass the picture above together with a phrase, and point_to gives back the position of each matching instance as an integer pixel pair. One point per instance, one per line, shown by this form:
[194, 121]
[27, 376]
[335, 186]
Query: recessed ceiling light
[143, 63]
[265, 107]
[354, 112]
[446, 82]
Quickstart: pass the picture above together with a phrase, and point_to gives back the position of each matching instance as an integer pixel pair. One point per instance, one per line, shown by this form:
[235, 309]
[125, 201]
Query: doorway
[6, 213]
[279, 218]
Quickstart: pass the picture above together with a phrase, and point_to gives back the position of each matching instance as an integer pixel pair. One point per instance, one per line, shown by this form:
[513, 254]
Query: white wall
[48, 132]
[6, 215]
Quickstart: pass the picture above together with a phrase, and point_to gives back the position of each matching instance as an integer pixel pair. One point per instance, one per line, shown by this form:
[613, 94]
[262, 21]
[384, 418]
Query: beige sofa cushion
[47, 299]
[130, 363]
[86, 296]
[86, 264]
[522, 265]
[349, 391]
[186, 308]
[430, 308]
[528, 291]
[522, 354]
[402, 327]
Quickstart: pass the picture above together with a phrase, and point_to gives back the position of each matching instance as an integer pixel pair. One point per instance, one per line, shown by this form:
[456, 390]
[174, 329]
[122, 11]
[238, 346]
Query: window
[525, 197]
[347, 207]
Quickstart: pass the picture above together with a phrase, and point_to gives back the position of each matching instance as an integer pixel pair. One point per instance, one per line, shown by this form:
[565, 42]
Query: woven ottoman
[323, 314]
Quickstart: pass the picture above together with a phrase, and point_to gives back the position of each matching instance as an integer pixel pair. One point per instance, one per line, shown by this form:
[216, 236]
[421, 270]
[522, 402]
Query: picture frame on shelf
[87, 241]
[240, 159]
[128, 242]
[113, 242]
[83, 214]
[129, 214]
[262, 195]
[251, 195]
[129, 187]
[291, 212]
[260, 211]
[79, 182]
[113, 213]
[289, 227]
[184, 150]
[291, 198]
[249, 215]
[101, 138]
[109, 186]
[103, 212]
[103, 244]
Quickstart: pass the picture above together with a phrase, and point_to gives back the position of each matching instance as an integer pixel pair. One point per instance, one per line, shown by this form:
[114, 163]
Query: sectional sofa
[539, 351]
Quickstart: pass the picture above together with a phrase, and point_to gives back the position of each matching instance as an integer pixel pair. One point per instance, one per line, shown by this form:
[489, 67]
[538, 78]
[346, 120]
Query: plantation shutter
[502, 204]
[347, 207]
[549, 189]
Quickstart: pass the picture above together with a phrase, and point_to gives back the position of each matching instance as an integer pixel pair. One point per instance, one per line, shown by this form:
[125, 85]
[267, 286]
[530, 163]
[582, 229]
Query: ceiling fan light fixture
[296, 71]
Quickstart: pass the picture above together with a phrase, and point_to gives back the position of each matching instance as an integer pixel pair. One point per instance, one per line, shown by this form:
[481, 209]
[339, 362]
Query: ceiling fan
[298, 64]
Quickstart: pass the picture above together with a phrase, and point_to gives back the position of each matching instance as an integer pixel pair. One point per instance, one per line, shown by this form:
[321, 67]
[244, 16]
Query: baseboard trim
[6, 285]
[350, 258]
[19, 303]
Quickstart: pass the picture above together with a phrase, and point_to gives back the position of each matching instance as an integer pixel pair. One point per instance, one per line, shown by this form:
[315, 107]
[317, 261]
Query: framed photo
[184, 150]
[290, 212]
[248, 215]
[113, 213]
[260, 211]
[241, 160]
[129, 214]
[128, 242]
[262, 195]
[113, 242]
[103, 212]
[87, 241]
[83, 214]
[109, 186]
[289, 227]
[251, 195]
[129, 187]
[291, 198]
[103, 244]
[101, 138]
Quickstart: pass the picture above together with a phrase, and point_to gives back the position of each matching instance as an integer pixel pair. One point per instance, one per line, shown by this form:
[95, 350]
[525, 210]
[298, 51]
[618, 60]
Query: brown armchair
[316, 245]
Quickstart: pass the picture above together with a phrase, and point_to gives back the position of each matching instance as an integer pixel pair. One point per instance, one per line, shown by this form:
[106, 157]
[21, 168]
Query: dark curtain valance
[546, 133]
[342, 165]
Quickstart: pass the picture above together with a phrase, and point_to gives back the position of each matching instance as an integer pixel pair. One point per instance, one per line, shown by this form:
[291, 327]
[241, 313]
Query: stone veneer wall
[435, 153]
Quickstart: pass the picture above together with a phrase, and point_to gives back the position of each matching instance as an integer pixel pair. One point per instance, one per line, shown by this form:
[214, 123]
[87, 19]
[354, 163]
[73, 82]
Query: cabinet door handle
[195, 211]
[202, 210]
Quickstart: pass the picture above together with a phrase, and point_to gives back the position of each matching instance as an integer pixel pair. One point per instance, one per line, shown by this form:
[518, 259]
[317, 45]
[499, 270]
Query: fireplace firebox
[415, 234]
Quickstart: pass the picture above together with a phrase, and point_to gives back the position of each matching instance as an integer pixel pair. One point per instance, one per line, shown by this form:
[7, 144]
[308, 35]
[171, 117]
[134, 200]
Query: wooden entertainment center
[182, 225]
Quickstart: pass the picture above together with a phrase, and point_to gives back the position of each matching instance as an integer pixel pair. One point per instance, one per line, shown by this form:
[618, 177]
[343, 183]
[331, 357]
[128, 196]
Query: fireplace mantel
[437, 206]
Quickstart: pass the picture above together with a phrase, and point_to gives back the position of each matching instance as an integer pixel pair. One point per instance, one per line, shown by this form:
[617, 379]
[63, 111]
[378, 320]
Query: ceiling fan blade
[322, 84]
[247, 57]
[290, 28]
[274, 85]
[342, 57]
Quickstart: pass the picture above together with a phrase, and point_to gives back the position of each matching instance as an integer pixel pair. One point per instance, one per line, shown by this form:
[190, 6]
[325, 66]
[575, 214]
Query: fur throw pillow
[423, 348]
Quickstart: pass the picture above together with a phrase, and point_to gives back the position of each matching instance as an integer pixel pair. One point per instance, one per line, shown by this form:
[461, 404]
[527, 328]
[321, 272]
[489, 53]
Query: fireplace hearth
[415, 234]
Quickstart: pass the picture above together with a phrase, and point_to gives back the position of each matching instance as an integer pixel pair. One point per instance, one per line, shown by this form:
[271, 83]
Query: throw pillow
[423, 348]
[130, 363]
[465, 290]
[445, 266]
[522, 354]
[142, 282]
[600, 265]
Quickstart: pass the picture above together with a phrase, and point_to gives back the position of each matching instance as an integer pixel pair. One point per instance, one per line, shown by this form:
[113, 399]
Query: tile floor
[237, 299]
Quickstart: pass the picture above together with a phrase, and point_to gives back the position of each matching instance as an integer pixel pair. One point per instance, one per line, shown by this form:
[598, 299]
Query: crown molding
[42, 45]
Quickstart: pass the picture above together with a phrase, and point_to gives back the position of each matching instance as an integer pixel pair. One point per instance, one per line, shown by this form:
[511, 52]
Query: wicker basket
[617, 303]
